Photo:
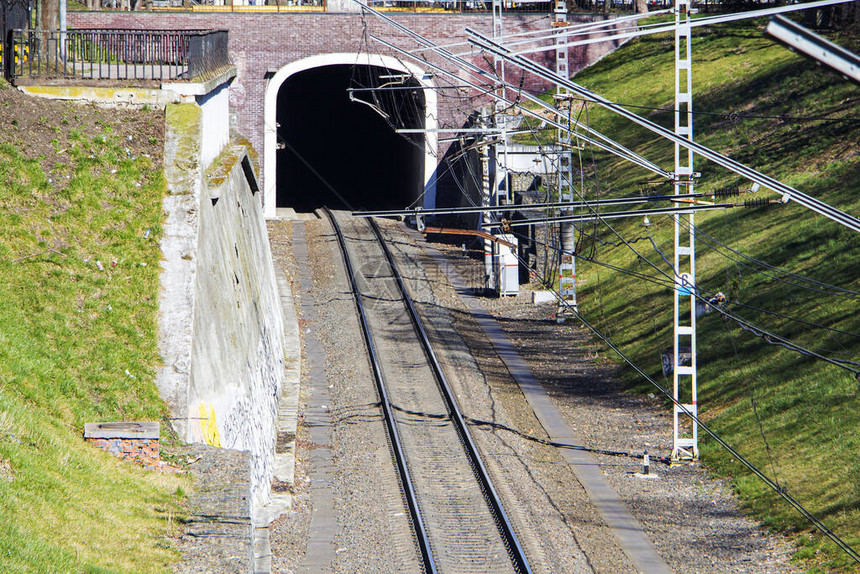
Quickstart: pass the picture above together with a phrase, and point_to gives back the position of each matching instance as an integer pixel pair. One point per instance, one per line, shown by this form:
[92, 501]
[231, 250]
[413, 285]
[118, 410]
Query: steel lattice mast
[685, 443]
[564, 159]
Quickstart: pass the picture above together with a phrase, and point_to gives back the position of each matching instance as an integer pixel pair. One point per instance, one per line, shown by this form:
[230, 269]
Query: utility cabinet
[506, 265]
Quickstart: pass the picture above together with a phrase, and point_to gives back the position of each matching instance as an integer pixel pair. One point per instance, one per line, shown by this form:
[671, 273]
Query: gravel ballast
[693, 521]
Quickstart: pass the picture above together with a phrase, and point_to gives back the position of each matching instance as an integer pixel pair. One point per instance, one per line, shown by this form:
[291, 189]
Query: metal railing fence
[418, 6]
[118, 54]
[459, 6]
[244, 6]
[207, 53]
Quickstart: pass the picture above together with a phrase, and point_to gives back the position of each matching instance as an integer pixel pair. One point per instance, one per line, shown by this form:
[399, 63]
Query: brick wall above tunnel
[263, 43]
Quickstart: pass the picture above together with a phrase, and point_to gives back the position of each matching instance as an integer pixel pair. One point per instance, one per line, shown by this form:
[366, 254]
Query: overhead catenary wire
[611, 146]
[391, 85]
[555, 34]
[736, 115]
[743, 323]
[542, 72]
[529, 206]
[734, 303]
[572, 29]
[598, 216]
[779, 489]
[746, 325]
[782, 491]
[778, 273]
[704, 21]
[770, 337]
[478, 72]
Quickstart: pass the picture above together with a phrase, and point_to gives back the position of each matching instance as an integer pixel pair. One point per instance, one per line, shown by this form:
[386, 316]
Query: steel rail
[515, 550]
[394, 435]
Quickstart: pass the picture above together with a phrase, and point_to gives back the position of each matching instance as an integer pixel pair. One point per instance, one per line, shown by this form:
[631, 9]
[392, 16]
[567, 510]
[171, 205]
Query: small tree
[50, 14]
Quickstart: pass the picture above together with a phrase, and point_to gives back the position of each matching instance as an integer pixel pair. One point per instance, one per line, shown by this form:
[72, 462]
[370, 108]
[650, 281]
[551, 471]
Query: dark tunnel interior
[345, 154]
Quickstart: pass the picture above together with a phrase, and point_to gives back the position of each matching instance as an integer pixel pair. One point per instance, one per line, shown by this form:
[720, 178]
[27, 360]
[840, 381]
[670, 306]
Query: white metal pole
[685, 445]
[63, 27]
[501, 116]
[564, 159]
[486, 199]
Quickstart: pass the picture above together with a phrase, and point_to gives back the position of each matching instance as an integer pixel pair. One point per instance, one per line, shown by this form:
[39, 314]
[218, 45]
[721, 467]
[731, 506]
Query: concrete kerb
[288, 405]
[190, 89]
[281, 502]
[105, 96]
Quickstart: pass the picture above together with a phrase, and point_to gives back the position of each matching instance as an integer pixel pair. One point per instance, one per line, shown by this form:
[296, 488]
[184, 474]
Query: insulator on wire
[758, 202]
[730, 191]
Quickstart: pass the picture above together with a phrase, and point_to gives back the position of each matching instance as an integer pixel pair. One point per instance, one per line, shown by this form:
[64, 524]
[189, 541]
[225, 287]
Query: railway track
[458, 519]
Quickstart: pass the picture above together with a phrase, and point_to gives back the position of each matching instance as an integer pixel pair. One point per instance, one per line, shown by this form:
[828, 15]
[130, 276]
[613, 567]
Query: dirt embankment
[43, 129]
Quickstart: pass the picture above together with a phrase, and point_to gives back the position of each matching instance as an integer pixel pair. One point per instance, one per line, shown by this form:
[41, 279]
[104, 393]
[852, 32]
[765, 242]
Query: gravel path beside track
[694, 520]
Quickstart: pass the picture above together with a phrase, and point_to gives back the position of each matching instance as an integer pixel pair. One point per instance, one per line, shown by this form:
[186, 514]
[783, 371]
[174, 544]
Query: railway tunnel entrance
[334, 140]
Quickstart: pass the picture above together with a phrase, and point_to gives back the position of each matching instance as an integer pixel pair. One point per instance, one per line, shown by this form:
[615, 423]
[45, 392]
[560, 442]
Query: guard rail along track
[459, 522]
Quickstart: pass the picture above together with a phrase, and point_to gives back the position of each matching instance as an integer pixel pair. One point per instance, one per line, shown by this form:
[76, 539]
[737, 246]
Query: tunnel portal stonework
[261, 44]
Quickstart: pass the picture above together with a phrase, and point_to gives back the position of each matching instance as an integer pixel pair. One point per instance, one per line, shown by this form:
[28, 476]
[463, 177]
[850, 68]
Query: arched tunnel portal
[335, 140]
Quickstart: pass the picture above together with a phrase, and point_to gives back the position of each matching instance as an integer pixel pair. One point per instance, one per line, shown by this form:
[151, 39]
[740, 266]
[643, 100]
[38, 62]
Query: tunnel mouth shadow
[337, 144]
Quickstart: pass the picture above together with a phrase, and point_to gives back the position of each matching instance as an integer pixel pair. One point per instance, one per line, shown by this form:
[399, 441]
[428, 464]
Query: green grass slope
[80, 197]
[795, 416]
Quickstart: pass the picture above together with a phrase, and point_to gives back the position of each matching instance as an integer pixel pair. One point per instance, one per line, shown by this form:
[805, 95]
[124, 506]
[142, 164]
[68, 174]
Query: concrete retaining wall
[179, 257]
[237, 361]
[221, 322]
[216, 122]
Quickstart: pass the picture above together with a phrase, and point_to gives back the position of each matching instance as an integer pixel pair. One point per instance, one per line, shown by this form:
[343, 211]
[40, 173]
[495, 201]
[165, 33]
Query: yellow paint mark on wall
[209, 425]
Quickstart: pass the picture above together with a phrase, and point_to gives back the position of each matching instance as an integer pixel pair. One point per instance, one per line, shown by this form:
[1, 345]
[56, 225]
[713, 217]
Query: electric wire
[772, 484]
[782, 491]
[542, 72]
[703, 21]
[669, 282]
[744, 324]
[735, 116]
[474, 71]
[795, 319]
[779, 273]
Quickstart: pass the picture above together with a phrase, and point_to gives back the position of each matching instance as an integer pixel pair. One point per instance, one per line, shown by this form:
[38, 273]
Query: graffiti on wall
[209, 425]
